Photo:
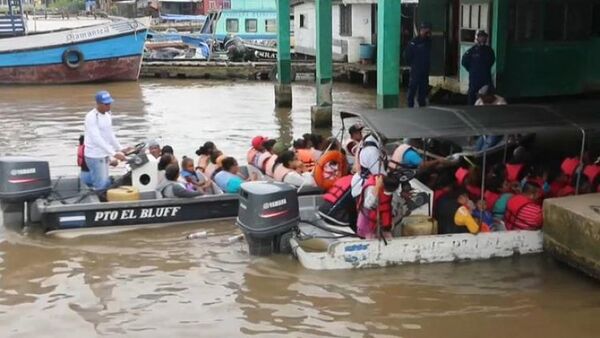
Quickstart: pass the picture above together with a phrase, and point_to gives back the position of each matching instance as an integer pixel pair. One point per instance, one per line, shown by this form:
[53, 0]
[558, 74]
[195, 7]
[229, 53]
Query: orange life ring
[325, 179]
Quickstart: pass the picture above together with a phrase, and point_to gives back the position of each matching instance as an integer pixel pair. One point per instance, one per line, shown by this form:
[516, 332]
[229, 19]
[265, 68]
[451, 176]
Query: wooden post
[321, 113]
[388, 54]
[283, 88]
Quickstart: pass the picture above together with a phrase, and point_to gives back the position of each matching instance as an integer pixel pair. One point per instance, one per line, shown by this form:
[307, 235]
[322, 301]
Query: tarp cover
[458, 121]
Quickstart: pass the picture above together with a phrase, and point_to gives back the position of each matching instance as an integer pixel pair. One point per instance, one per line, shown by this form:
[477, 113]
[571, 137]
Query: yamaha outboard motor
[21, 180]
[268, 213]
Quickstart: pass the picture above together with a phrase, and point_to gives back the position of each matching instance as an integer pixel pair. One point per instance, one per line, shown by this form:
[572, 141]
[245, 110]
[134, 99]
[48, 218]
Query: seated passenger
[592, 172]
[376, 197]
[255, 150]
[228, 178]
[318, 146]
[304, 153]
[488, 97]
[214, 164]
[339, 207]
[195, 181]
[523, 211]
[288, 169]
[154, 149]
[470, 179]
[163, 163]
[407, 156]
[204, 153]
[172, 188]
[262, 158]
[169, 150]
[454, 214]
[561, 186]
[350, 146]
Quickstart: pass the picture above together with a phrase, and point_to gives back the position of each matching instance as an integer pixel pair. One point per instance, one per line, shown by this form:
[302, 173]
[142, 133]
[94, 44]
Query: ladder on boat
[13, 23]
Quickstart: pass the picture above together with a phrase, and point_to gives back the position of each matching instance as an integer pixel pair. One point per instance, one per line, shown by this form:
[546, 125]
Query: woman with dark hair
[204, 153]
[164, 161]
[228, 178]
[288, 169]
[263, 157]
[214, 165]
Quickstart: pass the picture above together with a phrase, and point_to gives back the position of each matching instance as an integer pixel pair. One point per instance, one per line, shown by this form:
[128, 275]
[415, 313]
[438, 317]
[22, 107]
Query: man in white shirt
[100, 141]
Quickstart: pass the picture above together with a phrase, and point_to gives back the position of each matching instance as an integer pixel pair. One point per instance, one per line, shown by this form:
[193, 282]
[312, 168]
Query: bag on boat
[338, 206]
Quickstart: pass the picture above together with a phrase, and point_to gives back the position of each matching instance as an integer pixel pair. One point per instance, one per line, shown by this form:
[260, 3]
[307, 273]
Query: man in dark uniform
[478, 61]
[418, 57]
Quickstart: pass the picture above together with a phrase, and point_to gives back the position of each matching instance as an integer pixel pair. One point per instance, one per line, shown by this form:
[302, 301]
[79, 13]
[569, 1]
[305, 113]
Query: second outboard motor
[268, 213]
[21, 180]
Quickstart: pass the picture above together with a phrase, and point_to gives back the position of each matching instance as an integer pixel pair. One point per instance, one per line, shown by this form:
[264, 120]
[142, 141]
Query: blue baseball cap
[104, 97]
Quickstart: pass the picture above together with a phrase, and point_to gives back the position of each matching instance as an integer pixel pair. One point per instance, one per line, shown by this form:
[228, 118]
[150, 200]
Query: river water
[155, 283]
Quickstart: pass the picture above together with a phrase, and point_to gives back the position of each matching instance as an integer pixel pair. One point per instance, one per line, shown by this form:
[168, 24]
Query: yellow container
[418, 226]
[123, 194]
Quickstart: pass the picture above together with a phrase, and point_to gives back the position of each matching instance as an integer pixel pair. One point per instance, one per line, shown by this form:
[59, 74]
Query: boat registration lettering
[92, 33]
[132, 214]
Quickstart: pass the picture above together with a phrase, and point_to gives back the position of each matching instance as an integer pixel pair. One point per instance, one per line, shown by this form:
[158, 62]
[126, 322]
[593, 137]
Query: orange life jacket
[281, 172]
[306, 156]
[513, 171]
[384, 208]
[340, 187]
[513, 209]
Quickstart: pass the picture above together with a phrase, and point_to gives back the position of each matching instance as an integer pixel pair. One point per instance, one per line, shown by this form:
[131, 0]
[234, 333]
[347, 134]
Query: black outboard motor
[21, 180]
[268, 213]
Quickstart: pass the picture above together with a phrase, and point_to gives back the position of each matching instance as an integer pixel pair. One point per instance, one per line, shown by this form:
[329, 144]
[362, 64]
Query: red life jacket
[384, 207]
[461, 175]
[513, 209]
[569, 166]
[340, 187]
[81, 158]
[565, 191]
[592, 172]
[513, 171]
[490, 198]
[474, 192]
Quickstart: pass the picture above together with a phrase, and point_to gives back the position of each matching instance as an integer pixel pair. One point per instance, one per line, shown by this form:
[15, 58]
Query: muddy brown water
[155, 283]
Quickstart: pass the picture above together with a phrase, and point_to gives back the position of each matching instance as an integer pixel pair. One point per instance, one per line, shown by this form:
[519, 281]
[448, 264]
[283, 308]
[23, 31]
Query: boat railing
[13, 24]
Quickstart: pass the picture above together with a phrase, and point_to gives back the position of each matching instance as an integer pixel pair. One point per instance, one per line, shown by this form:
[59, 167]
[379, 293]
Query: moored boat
[295, 230]
[105, 52]
[63, 206]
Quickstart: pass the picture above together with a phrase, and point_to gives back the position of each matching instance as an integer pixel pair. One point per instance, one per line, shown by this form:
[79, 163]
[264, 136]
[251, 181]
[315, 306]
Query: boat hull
[122, 216]
[118, 69]
[357, 253]
[105, 52]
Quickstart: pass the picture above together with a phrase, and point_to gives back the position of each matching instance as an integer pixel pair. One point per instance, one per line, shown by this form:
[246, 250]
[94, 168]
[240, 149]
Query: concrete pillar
[321, 113]
[388, 54]
[500, 38]
[283, 88]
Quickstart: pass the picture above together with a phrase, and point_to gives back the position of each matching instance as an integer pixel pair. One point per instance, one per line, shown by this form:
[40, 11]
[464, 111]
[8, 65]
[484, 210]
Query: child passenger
[194, 181]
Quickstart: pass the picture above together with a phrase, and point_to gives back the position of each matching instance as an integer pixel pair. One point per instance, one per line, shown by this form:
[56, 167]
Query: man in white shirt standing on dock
[101, 143]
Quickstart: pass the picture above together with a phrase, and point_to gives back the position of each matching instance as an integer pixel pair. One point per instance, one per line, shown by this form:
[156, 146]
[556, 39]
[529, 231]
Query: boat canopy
[458, 121]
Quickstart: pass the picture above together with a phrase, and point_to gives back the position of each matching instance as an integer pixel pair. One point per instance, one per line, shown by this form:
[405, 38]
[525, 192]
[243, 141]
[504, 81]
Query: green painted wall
[254, 4]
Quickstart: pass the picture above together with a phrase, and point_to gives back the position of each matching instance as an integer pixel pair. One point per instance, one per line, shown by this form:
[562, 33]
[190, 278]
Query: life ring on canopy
[73, 58]
[324, 178]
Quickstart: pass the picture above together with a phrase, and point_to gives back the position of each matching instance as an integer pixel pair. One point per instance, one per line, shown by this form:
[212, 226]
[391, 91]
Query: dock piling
[388, 54]
[321, 113]
[283, 88]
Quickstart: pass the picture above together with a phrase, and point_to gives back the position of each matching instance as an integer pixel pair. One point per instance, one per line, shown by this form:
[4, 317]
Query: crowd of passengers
[512, 196]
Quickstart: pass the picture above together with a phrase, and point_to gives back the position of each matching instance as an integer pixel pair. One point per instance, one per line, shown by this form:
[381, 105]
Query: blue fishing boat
[105, 52]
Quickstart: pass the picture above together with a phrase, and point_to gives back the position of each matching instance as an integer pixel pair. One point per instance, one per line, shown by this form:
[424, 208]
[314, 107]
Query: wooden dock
[264, 70]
